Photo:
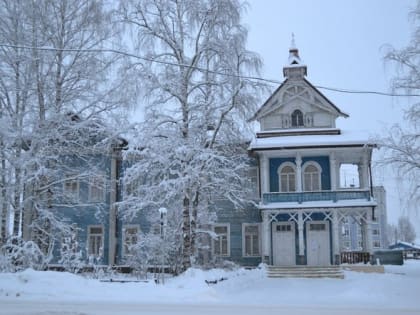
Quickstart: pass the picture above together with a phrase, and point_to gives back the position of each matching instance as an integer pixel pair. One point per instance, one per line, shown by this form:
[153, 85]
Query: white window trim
[283, 165]
[76, 196]
[103, 240]
[244, 225]
[103, 198]
[124, 227]
[291, 117]
[228, 239]
[318, 167]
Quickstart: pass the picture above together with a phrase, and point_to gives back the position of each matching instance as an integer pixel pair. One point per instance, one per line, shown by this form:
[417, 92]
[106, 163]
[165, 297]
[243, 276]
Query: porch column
[363, 173]
[300, 233]
[265, 238]
[265, 175]
[336, 237]
[367, 230]
[333, 168]
[298, 162]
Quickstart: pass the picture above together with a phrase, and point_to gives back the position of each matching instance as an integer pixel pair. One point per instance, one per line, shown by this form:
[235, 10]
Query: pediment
[297, 94]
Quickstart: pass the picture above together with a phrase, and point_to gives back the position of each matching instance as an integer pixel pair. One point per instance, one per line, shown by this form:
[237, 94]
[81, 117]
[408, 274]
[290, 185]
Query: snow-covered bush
[17, 255]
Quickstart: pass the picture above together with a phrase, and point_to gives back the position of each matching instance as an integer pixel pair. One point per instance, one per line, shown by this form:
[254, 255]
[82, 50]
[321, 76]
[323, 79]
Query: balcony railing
[300, 197]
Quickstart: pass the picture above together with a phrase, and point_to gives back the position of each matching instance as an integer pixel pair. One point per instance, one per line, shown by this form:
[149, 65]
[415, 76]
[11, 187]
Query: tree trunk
[186, 234]
[194, 225]
[3, 194]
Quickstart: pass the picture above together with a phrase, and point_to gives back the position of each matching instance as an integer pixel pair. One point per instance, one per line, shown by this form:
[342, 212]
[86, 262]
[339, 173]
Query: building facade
[300, 151]
[304, 214]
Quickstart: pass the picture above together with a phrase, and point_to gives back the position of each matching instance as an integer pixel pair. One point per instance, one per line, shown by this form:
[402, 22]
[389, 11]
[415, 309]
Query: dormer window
[297, 118]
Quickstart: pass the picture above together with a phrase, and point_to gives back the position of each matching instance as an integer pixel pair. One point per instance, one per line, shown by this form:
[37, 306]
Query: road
[22, 307]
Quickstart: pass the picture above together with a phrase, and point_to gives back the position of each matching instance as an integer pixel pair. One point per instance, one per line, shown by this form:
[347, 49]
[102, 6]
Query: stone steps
[305, 272]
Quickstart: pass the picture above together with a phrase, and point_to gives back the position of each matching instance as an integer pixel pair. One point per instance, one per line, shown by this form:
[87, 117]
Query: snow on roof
[404, 245]
[346, 138]
[319, 204]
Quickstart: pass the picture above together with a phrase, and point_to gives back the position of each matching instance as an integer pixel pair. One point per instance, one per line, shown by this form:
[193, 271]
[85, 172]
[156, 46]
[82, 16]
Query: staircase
[304, 272]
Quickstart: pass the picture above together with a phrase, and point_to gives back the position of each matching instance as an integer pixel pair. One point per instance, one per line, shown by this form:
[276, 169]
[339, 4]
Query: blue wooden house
[302, 207]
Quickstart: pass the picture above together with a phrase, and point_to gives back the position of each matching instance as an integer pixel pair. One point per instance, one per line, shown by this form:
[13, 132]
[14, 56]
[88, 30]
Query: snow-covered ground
[245, 291]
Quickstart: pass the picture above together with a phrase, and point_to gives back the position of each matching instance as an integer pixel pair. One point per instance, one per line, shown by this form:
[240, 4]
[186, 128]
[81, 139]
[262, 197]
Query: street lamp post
[162, 212]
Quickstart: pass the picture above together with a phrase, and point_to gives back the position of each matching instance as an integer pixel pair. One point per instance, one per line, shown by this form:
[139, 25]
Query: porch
[299, 197]
[313, 237]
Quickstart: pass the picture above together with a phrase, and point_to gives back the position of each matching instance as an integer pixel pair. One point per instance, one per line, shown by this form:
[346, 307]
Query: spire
[294, 58]
[294, 68]
[293, 44]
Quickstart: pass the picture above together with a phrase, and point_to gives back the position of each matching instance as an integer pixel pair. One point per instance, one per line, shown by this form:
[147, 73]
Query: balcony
[299, 197]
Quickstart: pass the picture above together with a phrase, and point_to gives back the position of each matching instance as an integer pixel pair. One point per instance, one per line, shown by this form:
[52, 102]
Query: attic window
[297, 118]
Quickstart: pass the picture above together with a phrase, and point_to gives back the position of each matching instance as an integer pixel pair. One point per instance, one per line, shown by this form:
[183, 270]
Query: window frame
[279, 172]
[319, 172]
[124, 251]
[218, 242]
[89, 235]
[71, 196]
[103, 196]
[297, 115]
[244, 226]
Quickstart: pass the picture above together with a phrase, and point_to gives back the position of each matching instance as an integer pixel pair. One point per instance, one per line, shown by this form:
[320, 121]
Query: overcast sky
[343, 44]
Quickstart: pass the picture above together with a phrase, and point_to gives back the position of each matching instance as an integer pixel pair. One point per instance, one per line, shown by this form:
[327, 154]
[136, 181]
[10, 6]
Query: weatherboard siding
[226, 213]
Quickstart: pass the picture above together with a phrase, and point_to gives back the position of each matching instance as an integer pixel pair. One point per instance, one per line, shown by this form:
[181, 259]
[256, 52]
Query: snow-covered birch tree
[402, 143]
[70, 94]
[191, 149]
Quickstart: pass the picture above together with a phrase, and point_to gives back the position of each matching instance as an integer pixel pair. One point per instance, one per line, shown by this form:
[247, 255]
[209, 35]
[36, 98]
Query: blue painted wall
[323, 161]
[226, 213]
[84, 212]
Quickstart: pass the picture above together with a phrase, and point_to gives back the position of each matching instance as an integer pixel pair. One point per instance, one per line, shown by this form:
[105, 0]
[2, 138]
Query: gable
[300, 95]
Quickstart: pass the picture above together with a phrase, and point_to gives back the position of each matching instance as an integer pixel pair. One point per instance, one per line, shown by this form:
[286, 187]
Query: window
[71, 189]
[69, 241]
[375, 232]
[283, 228]
[317, 226]
[221, 243]
[311, 178]
[130, 234]
[251, 239]
[287, 179]
[97, 188]
[346, 232]
[95, 240]
[297, 118]
[376, 244]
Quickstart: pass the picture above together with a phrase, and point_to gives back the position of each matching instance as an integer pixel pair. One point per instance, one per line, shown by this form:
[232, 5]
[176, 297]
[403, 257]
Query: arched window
[287, 178]
[312, 177]
[297, 118]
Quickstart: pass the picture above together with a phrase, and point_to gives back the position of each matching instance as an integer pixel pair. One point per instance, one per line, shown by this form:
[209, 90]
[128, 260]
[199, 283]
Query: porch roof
[345, 139]
[318, 204]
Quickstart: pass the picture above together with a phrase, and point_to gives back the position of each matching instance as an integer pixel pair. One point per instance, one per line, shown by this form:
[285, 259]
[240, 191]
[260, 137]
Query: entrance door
[318, 243]
[284, 244]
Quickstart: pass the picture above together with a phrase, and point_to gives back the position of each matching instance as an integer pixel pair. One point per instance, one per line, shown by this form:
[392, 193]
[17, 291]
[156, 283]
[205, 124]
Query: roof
[284, 83]
[344, 139]
[404, 246]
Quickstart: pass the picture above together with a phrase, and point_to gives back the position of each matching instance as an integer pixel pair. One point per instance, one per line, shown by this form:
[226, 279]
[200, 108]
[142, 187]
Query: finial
[293, 44]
